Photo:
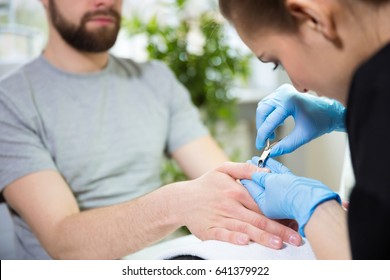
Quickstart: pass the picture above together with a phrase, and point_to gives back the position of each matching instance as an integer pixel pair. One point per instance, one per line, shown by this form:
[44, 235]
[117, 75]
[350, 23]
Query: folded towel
[190, 247]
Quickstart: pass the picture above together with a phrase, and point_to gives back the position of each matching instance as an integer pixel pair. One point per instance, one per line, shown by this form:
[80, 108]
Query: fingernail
[294, 240]
[243, 239]
[275, 242]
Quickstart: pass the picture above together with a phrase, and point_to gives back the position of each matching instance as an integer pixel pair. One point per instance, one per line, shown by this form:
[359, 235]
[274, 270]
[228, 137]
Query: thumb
[288, 144]
[267, 129]
[261, 178]
[276, 167]
[254, 189]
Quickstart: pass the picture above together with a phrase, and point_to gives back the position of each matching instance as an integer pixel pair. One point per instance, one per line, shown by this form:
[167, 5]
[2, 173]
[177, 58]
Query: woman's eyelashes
[277, 65]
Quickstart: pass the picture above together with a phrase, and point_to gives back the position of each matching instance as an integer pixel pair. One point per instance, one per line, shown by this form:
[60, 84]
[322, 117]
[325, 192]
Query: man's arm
[214, 206]
[204, 154]
[45, 201]
[199, 156]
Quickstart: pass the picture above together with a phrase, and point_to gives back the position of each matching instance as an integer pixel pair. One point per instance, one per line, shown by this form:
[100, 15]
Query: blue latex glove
[313, 117]
[282, 195]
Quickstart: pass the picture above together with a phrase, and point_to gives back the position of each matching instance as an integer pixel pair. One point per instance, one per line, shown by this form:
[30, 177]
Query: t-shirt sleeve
[21, 150]
[185, 124]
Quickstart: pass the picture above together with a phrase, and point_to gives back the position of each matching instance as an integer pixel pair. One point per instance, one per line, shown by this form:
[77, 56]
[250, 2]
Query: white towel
[217, 250]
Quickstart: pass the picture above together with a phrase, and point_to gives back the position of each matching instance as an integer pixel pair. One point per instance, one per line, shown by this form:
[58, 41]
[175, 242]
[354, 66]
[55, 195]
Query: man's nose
[105, 3]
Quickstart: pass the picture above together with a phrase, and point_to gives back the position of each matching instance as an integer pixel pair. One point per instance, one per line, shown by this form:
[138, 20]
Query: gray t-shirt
[105, 132]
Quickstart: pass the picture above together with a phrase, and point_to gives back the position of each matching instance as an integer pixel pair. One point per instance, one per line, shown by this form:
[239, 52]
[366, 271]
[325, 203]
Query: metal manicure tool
[265, 154]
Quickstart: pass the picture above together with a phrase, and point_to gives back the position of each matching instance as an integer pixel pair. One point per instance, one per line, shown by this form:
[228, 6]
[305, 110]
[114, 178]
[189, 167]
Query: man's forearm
[115, 231]
[213, 206]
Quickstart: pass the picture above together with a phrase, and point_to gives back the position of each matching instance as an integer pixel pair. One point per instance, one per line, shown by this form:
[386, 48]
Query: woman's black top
[368, 126]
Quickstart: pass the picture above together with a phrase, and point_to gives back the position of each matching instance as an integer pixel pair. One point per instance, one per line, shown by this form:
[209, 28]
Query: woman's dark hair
[273, 14]
[375, 2]
[255, 13]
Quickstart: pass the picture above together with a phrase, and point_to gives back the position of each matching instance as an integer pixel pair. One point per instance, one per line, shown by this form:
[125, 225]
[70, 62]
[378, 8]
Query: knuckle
[243, 227]
[224, 166]
[236, 194]
[264, 238]
[208, 234]
[219, 234]
[261, 222]
[248, 167]
[225, 208]
[242, 195]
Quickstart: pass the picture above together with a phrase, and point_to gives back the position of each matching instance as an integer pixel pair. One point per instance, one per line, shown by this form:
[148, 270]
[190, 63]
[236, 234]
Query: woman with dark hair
[339, 49]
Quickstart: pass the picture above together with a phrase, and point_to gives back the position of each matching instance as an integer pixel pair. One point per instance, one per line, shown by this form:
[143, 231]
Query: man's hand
[216, 206]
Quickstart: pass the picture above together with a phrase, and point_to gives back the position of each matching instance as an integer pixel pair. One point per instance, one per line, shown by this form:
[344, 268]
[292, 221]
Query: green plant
[208, 72]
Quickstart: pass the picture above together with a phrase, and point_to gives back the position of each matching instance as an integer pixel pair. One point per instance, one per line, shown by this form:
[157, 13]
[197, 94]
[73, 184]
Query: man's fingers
[286, 232]
[235, 231]
[223, 234]
[260, 229]
[258, 235]
[289, 223]
[239, 170]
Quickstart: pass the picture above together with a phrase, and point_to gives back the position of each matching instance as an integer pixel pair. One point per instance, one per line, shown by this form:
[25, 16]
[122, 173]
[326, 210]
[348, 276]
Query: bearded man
[83, 135]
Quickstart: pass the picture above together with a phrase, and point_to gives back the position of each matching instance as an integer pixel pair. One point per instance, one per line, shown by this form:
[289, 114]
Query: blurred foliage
[208, 70]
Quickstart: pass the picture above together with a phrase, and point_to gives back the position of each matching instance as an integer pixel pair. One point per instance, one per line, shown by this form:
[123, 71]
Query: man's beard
[79, 37]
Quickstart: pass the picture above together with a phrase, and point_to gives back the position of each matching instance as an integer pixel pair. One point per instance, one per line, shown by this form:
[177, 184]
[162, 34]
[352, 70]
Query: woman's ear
[317, 14]
[44, 3]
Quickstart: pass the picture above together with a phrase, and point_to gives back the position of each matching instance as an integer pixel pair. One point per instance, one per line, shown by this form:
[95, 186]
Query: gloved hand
[282, 195]
[313, 116]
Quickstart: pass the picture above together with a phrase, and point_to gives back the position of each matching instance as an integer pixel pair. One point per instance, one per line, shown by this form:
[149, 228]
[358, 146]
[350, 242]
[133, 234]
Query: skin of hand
[210, 159]
[214, 206]
[229, 213]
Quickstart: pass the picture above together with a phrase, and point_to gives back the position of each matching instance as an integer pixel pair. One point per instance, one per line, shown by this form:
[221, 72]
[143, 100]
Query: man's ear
[317, 14]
